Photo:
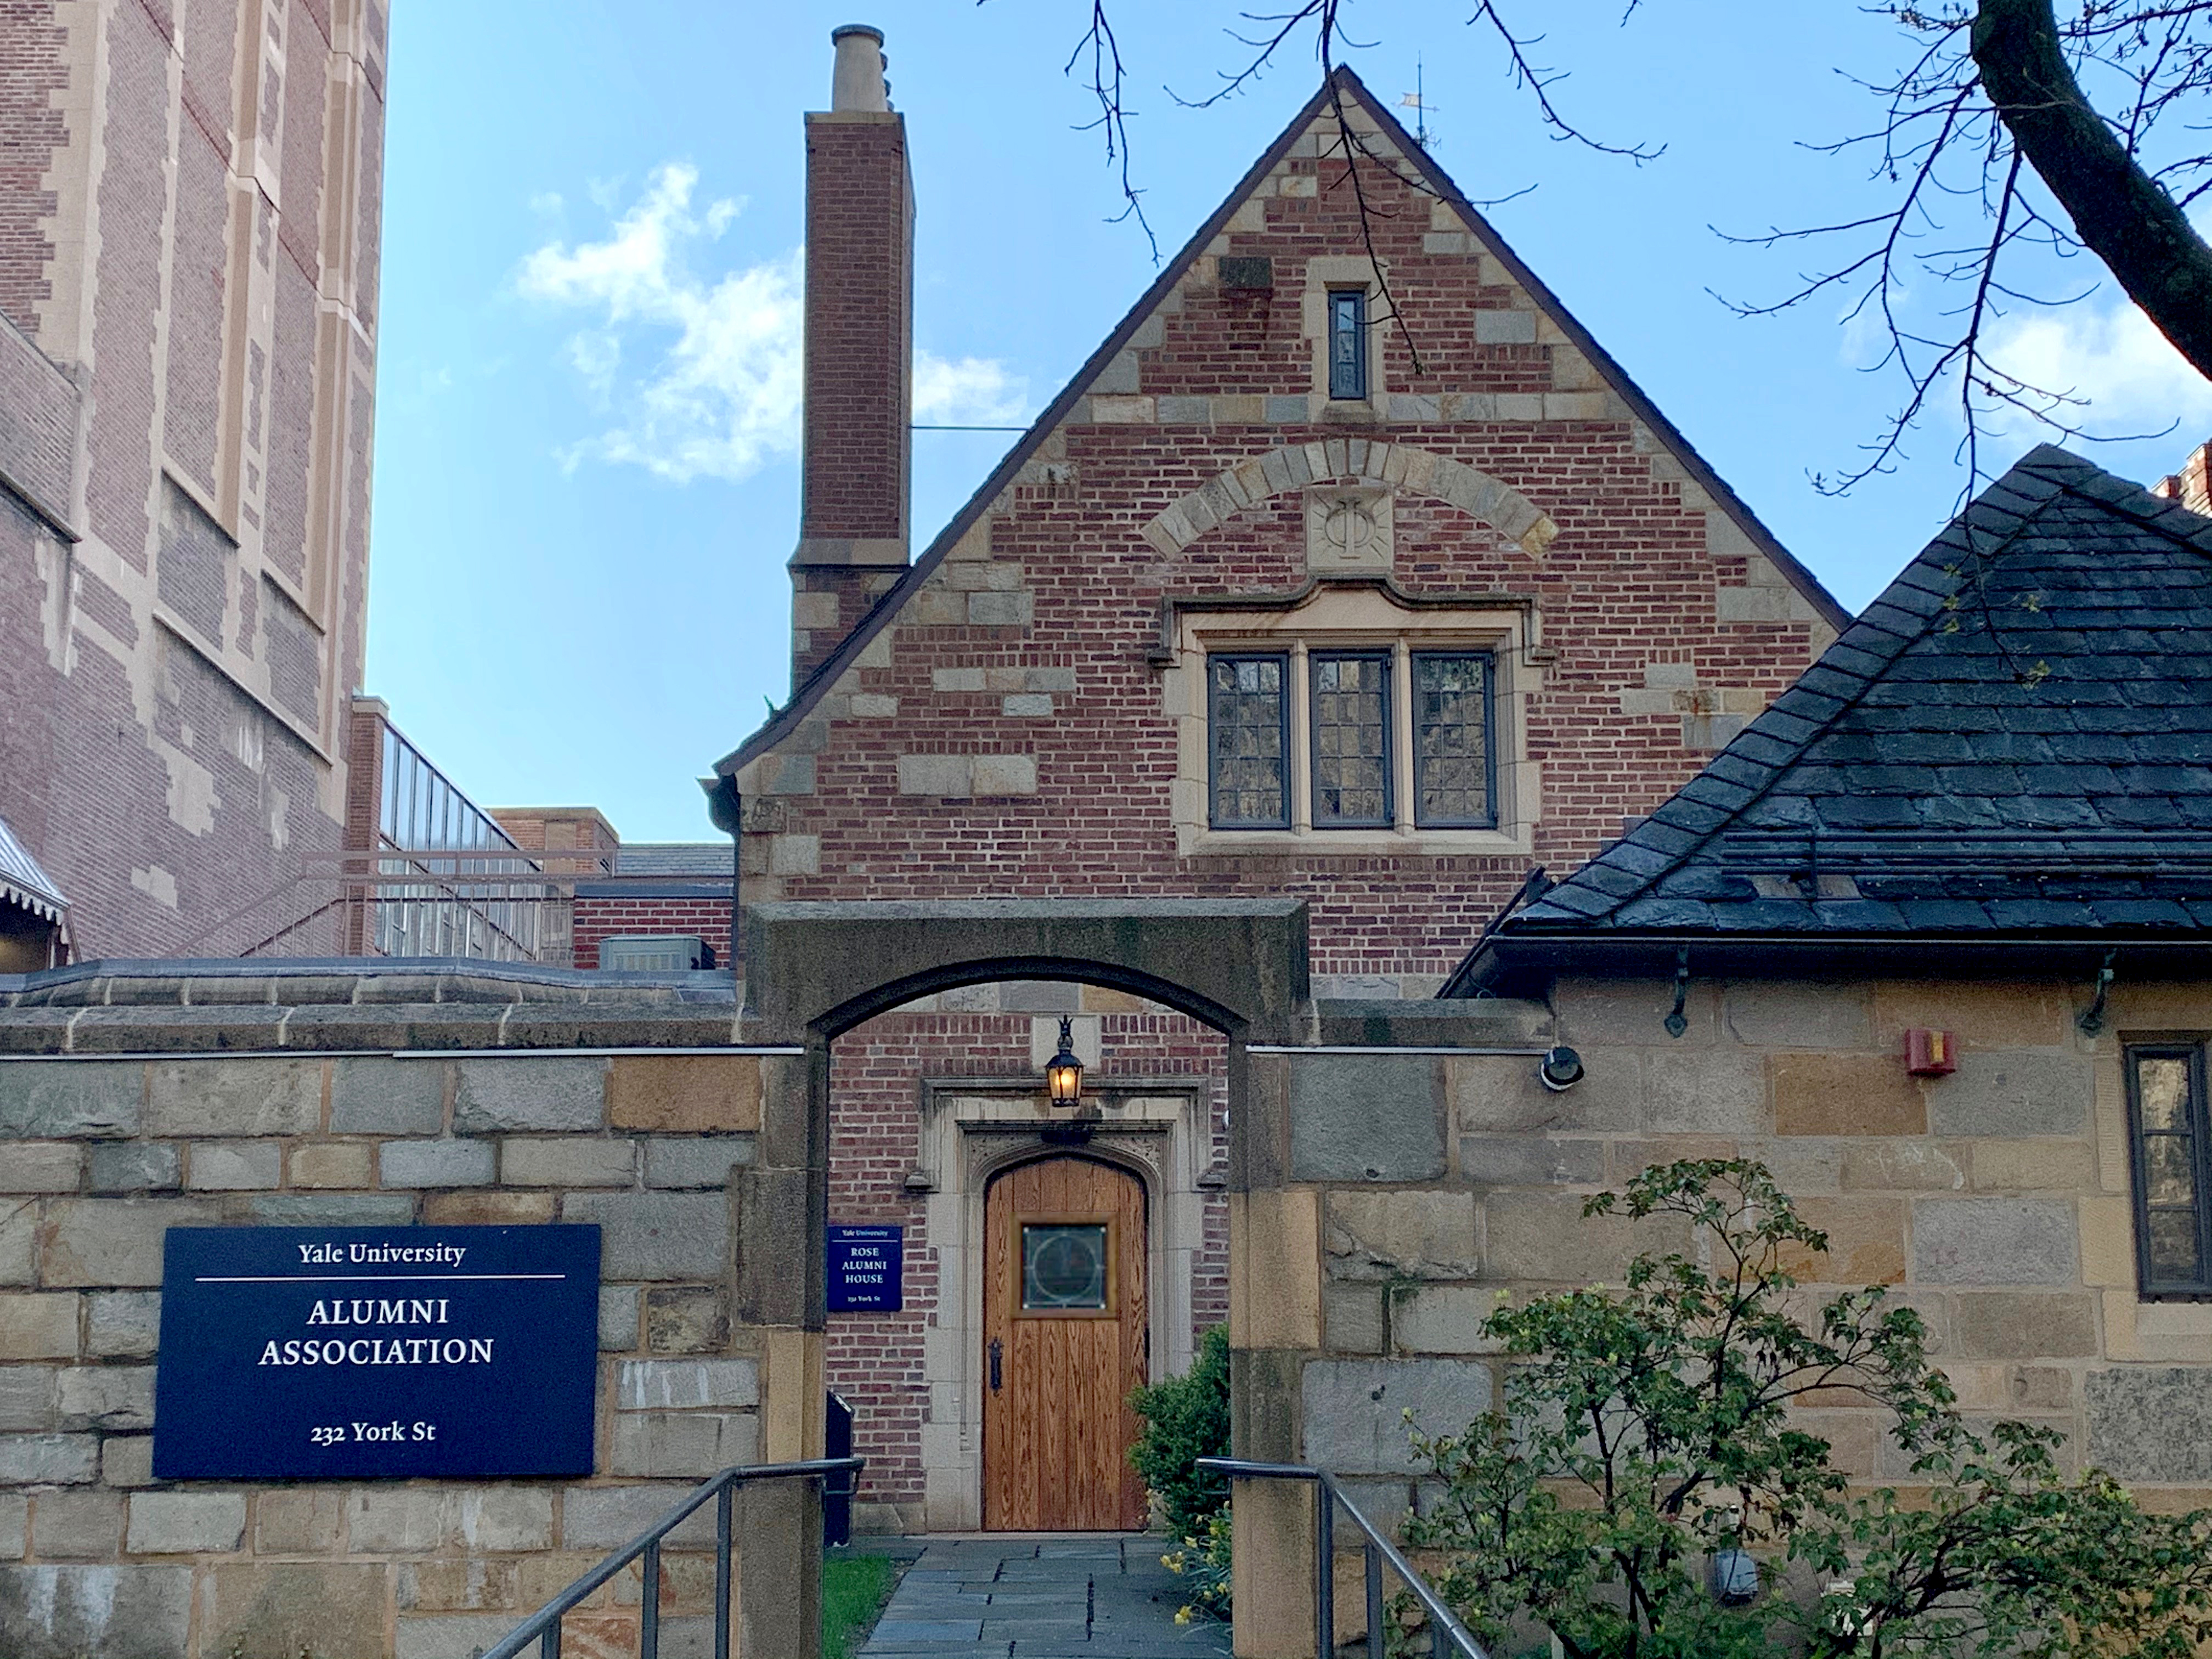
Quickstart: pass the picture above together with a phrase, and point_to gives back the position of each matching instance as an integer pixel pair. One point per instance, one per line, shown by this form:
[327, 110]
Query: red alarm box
[1930, 1054]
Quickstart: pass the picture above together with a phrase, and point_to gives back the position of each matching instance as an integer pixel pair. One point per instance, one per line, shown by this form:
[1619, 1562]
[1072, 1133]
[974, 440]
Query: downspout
[724, 807]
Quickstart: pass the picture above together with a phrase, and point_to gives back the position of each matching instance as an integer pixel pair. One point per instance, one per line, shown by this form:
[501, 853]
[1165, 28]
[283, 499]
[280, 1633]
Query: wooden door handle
[995, 1352]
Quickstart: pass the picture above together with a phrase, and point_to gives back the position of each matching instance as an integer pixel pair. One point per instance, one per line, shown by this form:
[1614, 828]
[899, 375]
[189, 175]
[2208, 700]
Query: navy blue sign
[346, 1352]
[867, 1269]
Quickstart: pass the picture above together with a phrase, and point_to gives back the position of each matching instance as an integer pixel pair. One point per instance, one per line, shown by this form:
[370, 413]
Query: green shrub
[1186, 1418]
[1647, 1433]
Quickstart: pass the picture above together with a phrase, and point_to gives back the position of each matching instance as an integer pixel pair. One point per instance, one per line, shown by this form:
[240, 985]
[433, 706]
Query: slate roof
[673, 858]
[23, 883]
[666, 869]
[2013, 741]
[810, 692]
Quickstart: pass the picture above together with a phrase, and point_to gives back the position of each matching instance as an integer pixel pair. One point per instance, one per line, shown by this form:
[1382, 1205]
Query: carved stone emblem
[1347, 528]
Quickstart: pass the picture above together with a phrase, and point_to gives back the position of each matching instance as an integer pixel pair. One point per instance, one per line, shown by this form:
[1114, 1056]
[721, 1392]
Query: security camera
[1562, 1069]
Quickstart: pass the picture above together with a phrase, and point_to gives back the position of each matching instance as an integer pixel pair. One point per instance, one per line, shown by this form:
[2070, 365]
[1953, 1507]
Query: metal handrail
[1445, 1631]
[543, 1626]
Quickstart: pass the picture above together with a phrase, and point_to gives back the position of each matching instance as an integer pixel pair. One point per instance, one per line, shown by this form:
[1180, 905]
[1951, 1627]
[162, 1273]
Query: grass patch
[854, 1590]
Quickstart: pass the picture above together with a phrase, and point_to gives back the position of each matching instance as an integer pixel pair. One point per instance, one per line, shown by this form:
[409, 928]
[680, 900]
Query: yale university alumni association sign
[360, 1352]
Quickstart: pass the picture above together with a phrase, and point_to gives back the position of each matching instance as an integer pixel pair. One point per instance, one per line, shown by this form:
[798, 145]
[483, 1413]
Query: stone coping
[190, 981]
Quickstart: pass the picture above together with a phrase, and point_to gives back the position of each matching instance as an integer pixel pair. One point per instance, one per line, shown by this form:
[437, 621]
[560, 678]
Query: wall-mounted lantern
[1063, 1072]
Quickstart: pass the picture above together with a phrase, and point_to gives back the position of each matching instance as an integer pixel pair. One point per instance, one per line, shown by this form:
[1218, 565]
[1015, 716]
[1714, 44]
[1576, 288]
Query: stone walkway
[1079, 1597]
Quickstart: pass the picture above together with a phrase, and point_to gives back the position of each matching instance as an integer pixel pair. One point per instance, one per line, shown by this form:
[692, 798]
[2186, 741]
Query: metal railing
[1446, 1634]
[543, 1626]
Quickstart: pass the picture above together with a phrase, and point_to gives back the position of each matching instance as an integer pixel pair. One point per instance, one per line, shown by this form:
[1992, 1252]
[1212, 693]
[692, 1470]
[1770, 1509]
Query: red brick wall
[1628, 580]
[600, 917]
[876, 1359]
[857, 293]
[165, 799]
[32, 130]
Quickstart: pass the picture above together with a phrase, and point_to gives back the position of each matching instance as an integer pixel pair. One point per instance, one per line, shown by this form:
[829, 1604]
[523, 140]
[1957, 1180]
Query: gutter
[1509, 959]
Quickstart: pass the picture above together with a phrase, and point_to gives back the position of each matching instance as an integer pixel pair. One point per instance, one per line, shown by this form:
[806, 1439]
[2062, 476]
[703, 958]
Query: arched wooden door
[1065, 1339]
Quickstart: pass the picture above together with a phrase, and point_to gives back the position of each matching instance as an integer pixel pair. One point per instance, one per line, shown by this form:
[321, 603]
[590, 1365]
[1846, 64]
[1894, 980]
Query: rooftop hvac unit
[655, 953]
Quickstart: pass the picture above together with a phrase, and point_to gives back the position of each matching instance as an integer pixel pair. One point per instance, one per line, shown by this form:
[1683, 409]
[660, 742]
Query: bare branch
[1539, 82]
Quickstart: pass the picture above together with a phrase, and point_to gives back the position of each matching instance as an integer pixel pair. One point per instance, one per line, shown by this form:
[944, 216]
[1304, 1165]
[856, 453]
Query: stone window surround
[2136, 1327]
[1158, 1129]
[1371, 615]
[2179, 1312]
[1328, 273]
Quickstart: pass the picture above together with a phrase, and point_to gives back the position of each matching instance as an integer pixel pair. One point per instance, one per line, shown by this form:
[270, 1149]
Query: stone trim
[1373, 463]
[974, 1129]
[1366, 613]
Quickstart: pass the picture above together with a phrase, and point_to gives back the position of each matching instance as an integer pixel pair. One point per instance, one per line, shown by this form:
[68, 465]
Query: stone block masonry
[1994, 1202]
[99, 1157]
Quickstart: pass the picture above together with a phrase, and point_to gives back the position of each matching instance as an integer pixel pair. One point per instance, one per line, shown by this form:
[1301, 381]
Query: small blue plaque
[867, 1269]
[356, 1353]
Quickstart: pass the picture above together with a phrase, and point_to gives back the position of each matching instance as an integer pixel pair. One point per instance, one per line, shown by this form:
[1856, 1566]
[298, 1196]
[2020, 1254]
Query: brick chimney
[853, 531]
[2192, 485]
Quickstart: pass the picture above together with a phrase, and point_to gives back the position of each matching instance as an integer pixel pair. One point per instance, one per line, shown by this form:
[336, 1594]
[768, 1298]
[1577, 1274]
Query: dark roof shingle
[2016, 739]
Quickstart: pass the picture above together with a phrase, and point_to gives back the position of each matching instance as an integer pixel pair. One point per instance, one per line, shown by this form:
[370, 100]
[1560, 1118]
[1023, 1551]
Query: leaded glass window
[2166, 1090]
[1063, 1266]
[1350, 739]
[1347, 343]
[1247, 732]
[1452, 763]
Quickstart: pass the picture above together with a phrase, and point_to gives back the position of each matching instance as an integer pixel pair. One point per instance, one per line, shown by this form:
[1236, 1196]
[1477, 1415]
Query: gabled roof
[2014, 741]
[23, 883]
[1342, 83]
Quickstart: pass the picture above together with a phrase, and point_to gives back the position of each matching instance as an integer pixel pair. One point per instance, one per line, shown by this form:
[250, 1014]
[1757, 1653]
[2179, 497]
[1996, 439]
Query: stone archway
[814, 971]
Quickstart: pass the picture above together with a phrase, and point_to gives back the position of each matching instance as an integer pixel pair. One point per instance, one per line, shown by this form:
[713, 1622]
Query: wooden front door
[1064, 1342]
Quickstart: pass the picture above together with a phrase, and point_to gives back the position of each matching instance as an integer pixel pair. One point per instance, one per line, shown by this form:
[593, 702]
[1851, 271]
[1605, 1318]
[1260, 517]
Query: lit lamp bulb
[1063, 1072]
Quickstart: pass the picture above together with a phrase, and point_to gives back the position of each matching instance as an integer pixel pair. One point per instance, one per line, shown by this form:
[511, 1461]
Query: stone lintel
[839, 551]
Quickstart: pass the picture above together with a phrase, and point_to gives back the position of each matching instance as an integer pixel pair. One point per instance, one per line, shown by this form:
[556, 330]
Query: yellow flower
[1184, 1615]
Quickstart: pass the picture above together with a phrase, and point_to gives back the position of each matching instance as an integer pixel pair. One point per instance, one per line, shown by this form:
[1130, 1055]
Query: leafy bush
[1186, 1418]
[1645, 1434]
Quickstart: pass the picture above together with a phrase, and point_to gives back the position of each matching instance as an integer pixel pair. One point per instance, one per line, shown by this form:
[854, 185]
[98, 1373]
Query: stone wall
[1996, 1200]
[343, 1119]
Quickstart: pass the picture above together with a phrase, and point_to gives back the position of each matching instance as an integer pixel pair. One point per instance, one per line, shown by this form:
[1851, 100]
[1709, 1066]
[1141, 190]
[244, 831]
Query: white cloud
[2132, 379]
[703, 379]
[975, 390]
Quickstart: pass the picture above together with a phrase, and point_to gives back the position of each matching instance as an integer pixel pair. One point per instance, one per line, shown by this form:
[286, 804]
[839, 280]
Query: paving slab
[1012, 1596]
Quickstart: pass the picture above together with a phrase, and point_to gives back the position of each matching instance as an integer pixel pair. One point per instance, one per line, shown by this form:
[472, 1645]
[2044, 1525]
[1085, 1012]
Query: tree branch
[2122, 215]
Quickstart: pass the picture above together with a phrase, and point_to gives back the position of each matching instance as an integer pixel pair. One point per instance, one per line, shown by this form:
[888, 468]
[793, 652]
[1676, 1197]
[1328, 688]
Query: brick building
[189, 205]
[1349, 568]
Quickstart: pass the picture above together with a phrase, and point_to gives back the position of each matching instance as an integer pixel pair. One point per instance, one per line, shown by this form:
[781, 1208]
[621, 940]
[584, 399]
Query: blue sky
[585, 478]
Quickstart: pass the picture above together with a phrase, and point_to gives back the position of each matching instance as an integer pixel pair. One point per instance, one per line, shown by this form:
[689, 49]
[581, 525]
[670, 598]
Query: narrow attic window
[2167, 1125]
[1347, 342]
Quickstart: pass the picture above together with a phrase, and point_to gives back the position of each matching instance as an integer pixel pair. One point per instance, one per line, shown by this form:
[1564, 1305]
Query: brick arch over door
[1369, 461]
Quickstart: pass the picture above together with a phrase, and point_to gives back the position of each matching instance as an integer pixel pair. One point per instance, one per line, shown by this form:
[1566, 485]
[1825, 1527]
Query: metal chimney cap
[844, 29]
